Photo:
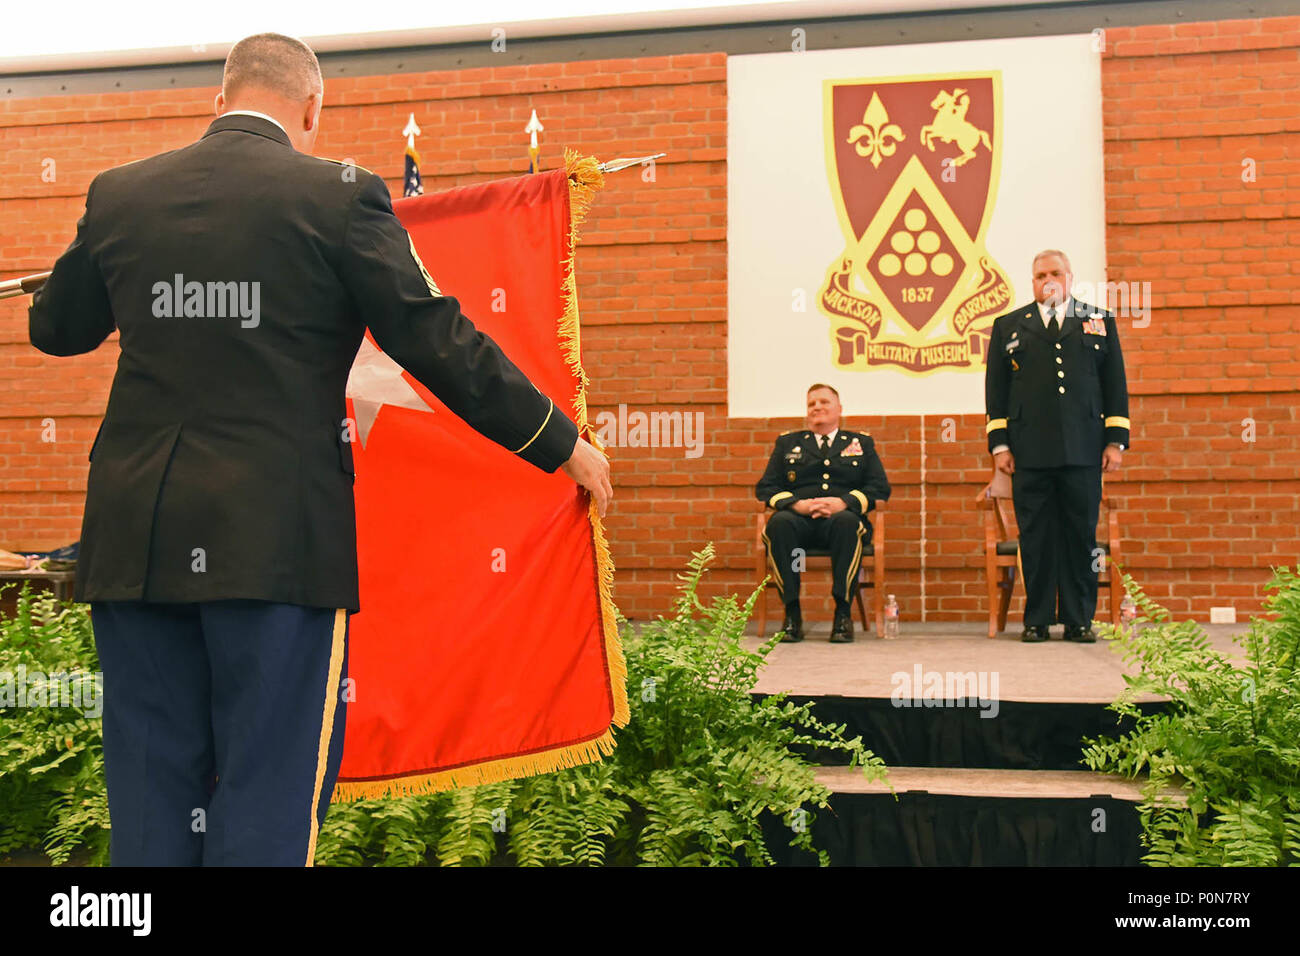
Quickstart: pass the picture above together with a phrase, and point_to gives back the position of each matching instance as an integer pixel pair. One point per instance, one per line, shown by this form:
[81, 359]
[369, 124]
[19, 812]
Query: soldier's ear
[311, 115]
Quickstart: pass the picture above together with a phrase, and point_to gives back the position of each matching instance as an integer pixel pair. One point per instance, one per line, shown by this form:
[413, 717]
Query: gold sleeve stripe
[779, 496]
[428, 279]
[994, 424]
[862, 499]
[1117, 421]
[539, 430]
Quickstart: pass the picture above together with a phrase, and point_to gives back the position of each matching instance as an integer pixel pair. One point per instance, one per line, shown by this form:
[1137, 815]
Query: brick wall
[1205, 513]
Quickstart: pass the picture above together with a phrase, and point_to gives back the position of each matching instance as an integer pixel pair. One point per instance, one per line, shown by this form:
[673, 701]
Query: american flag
[412, 184]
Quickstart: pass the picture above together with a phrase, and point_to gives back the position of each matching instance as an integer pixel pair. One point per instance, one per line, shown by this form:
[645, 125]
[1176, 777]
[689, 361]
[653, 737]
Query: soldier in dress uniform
[1057, 404]
[821, 480]
[218, 549]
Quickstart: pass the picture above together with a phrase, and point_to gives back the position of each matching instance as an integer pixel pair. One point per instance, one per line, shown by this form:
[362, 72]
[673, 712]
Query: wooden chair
[873, 553]
[1002, 551]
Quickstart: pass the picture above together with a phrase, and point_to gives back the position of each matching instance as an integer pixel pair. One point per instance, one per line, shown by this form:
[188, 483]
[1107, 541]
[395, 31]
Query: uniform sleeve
[769, 490]
[874, 485]
[997, 384]
[423, 331]
[71, 313]
[1114, 389]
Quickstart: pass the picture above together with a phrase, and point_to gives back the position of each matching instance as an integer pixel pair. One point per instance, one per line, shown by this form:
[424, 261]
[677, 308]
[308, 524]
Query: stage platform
[1055, 671]
[987, 770]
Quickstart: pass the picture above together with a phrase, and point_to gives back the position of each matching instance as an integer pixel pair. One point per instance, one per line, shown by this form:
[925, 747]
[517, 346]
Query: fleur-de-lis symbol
[875, 131]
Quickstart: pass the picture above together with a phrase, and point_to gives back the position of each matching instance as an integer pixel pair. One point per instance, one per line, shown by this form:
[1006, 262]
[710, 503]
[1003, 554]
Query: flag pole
[26, 285]
[534, 148]
[22, 286]
[614, 165]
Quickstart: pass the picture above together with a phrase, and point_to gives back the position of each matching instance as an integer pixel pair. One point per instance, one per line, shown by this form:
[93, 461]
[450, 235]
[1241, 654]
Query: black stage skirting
[923, 829]
[1023, 736]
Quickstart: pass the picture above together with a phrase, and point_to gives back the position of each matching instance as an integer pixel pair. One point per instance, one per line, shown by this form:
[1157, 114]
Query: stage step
[983, 740]
[971, 817]
[978, 782]
[1017, 736]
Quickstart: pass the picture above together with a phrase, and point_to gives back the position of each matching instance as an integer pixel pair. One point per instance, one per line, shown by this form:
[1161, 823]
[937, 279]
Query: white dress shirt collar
[830, 436]
[1061, 310]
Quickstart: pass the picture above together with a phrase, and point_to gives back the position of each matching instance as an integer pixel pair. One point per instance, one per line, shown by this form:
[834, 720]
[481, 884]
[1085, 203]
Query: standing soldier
[218, 549]
[1057, 404]
[821, 481]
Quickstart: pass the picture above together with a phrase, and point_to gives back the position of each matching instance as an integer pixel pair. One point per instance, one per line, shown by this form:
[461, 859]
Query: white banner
[883, 208]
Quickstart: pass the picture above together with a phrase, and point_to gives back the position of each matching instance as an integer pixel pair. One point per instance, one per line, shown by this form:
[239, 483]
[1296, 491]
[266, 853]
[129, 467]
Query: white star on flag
[375, 381]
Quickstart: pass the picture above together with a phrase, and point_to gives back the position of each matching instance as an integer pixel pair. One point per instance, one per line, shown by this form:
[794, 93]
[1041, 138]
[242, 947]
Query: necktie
[821, 442]
[1054, 322]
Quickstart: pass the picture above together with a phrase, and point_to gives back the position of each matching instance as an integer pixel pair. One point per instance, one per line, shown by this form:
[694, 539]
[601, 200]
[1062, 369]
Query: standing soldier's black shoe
[793, 628]
[842, 629]
[1034, 634]
[1080, 635]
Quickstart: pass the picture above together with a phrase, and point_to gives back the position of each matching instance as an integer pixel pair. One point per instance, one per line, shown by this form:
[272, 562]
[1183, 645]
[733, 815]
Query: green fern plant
[1222, 763]
[694, 774]
[52, 791]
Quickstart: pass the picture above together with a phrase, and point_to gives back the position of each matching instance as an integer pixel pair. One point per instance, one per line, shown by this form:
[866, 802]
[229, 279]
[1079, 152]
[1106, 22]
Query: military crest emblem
[913, 164]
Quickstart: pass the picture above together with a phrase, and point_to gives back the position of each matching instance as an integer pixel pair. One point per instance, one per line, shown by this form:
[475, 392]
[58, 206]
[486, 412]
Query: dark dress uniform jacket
[1056, 402]
[850, 470]
[225, 433]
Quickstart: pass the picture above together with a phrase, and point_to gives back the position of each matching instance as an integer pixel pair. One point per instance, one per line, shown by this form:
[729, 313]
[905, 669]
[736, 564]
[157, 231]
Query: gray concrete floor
[869, 667]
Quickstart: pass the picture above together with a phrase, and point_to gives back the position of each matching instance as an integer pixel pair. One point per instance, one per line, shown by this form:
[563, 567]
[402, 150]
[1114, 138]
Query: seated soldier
[822, 481]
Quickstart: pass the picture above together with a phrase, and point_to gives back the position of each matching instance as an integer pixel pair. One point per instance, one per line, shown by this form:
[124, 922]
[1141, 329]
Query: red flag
[486, 646]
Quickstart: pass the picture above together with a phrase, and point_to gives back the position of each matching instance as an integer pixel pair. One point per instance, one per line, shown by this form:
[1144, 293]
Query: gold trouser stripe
[776, 572]
[862, 499]
[994, 424]
[853, 564]
[428, 279]
[539, 429]
[1117, 421]
[327, 721]
[779, 496]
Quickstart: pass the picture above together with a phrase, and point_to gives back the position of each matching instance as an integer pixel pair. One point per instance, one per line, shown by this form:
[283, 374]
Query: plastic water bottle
[1128, 612]
[891, 619]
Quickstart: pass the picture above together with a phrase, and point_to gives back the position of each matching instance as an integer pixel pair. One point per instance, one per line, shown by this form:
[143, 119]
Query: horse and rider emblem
[913, 163]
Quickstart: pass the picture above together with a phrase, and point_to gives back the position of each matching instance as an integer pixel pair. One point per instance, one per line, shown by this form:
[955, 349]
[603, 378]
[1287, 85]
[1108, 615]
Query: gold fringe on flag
[585, 178]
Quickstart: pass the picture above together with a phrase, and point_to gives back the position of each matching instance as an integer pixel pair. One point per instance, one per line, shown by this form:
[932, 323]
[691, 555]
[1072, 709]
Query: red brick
[1203, 513]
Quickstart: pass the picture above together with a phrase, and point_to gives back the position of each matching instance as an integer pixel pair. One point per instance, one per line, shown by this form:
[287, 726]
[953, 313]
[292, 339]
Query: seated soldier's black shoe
[1035, 634]
[842, 629]
[793, 628]
[1080, 635]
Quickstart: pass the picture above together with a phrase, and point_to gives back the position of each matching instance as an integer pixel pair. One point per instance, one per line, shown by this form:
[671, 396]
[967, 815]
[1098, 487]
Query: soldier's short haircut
[1051, 252]
[829, 388]
[273, 62]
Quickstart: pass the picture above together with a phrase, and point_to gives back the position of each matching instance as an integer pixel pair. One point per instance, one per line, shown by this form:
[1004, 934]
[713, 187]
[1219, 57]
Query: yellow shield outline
[915, 177]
